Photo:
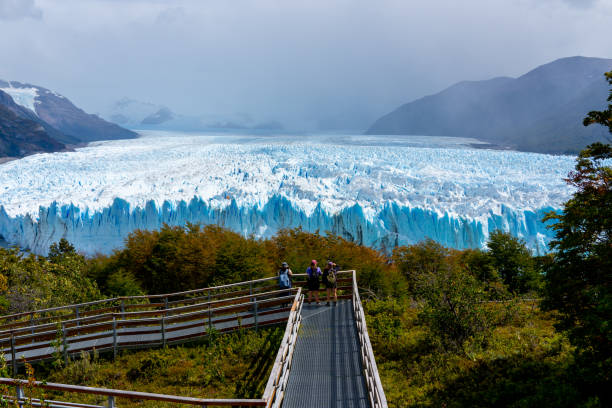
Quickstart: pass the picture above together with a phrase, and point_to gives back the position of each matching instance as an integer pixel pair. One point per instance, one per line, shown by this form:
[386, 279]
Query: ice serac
[105, 230]
[375, 194]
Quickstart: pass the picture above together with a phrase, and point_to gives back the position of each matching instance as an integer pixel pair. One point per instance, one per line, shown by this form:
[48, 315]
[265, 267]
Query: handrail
[112, 394]
[110, 316]
[75, 307]
[142, 297]
[111, 333]
[277, 382]
[376, 392]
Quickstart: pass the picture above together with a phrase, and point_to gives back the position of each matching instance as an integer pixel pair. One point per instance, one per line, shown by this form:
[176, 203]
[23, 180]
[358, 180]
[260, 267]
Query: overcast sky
[305, 63]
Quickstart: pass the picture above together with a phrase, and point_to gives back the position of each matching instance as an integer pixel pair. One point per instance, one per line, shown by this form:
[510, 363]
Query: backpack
[283, 280]
[331, 276]
[313, 274]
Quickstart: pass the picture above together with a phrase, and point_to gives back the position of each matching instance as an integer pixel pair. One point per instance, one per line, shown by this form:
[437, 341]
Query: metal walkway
[327, 370]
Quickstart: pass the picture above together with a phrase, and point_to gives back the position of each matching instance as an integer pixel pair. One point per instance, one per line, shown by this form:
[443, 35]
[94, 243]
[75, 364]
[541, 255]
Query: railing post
[13, 355]
[209, 317]
[255, 308]
[114, 338]
[251, 289]
[76, 313]
[111, 402]
[122, 309]
[20, 395]
[166, 305]
[64, 343]
[163, 330]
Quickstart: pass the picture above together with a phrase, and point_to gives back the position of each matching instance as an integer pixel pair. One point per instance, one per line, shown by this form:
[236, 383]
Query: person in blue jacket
[314, 281]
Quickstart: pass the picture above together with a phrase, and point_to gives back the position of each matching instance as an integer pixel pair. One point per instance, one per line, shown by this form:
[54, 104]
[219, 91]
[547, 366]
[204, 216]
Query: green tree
[122, 283]
[603, 117]
[513, 261]
[455, 307]
[426, 258]
[60, 250]
[579, 281]
[35, 282]
[481, 265]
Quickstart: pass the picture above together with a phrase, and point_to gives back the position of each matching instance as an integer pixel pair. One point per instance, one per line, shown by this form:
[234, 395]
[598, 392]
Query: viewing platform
[325, 358]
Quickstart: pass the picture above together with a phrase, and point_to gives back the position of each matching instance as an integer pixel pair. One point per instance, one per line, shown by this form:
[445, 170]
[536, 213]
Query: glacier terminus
[380, 191]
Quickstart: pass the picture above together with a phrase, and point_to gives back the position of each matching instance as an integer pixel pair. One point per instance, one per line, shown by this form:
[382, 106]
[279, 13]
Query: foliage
[513, 261]
[455, 308]
[524, 363]
[175, 259]
[453, 289]
[122, 283]
[426, 258]
[3, 289]
[37, 282]
[4, 390]
[578, 281]
[604, 117]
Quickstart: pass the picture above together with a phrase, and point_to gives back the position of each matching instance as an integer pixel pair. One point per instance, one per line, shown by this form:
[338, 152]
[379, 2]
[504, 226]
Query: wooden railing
[222, 308]
[111, 396]
[376, 393]
[134, 303]
[125, 305]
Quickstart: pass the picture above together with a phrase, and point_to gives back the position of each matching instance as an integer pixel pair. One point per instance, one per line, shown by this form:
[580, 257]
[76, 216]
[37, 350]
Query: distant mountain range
[540, 111]
[136, 114]
[34, 119]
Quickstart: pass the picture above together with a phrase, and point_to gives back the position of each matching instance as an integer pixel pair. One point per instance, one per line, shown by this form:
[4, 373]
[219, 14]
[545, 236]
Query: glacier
[380, 191]
[22, 95]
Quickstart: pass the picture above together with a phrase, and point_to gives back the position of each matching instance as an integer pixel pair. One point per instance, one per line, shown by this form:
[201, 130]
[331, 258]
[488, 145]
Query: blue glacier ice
[376, 191]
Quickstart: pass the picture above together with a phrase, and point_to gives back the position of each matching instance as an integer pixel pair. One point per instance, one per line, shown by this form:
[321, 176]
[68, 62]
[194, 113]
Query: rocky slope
[20, 135]
[35, 119]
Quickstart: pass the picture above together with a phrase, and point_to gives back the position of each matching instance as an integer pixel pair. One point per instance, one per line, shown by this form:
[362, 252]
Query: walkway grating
[326, 369]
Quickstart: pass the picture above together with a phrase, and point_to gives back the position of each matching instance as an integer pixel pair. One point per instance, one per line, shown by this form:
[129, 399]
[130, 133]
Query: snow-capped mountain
[60, 118]
[367, 190]
[22, 132]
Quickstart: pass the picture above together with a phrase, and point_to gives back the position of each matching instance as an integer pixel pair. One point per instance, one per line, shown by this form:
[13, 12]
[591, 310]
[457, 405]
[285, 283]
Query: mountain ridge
[539, 111]
[21, 135]
[35, 119]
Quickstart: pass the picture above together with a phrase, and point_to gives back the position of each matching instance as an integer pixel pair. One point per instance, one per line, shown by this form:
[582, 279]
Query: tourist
[330, 281]
[313, 282]
[284, 279]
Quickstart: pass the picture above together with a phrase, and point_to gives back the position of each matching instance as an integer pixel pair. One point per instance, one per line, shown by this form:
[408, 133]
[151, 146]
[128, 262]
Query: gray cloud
[330, 63]
[19, 9]
[583, 4]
